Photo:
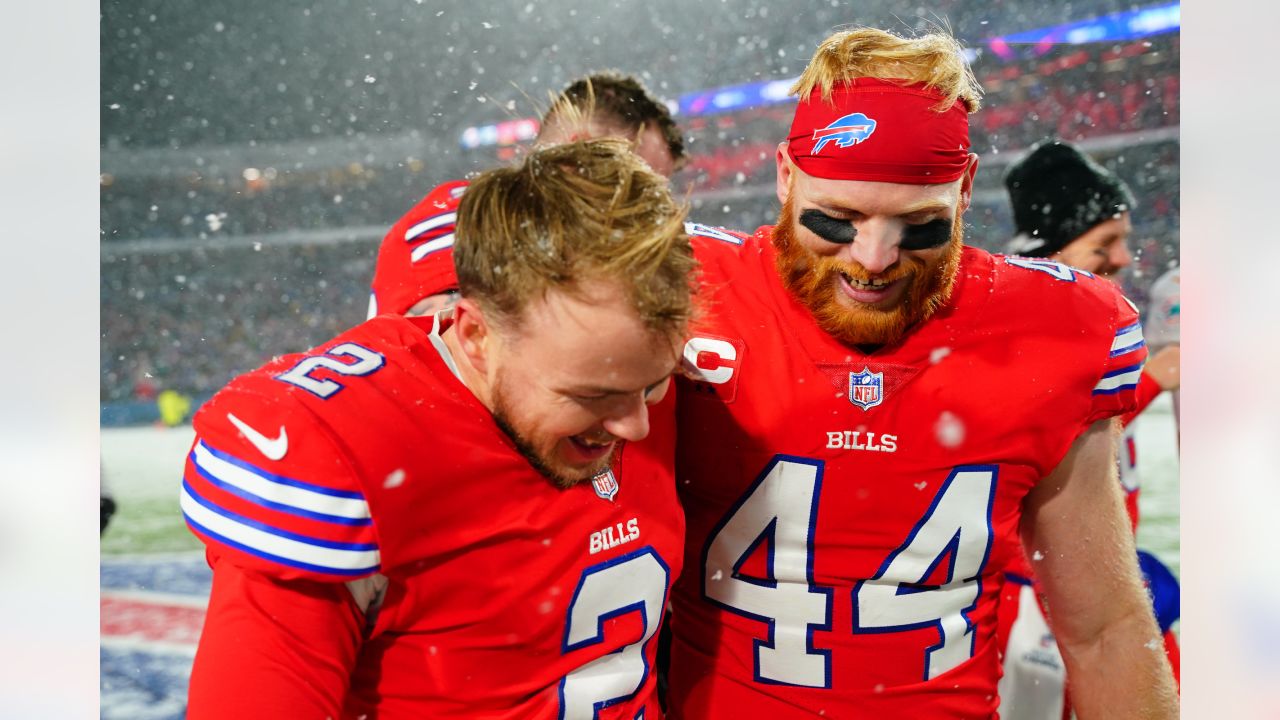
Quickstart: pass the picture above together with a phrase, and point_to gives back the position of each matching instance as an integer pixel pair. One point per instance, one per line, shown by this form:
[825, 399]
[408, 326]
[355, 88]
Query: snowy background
[253, 154]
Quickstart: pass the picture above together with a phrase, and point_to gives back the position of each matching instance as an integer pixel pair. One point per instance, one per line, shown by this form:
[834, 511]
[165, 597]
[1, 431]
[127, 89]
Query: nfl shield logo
[866, 389]
[606, 485]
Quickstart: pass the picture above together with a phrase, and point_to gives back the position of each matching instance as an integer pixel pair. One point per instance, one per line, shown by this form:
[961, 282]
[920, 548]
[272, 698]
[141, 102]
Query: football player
[879, 412]
[414, 274]
[465, 515]
[1070, 209]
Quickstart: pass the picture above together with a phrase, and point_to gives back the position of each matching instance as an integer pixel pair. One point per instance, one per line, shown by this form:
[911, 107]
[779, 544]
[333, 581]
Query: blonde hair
[581, 211]
[935, 59]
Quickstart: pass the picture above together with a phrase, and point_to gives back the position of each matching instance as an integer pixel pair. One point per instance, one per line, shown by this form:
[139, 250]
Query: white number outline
[649, 637]
[366, 362]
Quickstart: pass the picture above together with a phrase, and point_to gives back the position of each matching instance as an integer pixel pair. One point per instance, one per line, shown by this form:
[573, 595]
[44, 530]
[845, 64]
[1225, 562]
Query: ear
[475, 333]
[966, 184]
[784, 172]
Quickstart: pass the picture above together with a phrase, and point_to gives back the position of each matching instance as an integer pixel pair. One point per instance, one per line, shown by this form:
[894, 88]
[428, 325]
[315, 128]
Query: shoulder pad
[718, 249]
[1073, 300]
[268, 486]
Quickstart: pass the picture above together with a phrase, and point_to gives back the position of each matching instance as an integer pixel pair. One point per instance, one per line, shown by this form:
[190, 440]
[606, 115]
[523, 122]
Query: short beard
[813, 280]
[502, 417]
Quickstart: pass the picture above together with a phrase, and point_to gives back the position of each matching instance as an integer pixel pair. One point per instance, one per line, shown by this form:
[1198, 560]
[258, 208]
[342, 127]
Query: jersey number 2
[635, 582]
[366, 361]
[779, 514]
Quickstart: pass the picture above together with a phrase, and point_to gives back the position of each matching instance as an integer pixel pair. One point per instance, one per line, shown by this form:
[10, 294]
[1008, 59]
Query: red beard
[814, 281]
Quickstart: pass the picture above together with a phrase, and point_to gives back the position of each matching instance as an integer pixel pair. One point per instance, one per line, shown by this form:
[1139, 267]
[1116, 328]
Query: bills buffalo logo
[866, 389]
[848, 130]
[605, 484]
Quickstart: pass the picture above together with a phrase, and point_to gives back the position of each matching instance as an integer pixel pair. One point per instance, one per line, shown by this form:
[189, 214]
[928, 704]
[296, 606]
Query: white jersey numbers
[778, 513]
[694, 228]
[1052, 268]
[956, 529]
[366, 361]
[635, 582]
[775, 522]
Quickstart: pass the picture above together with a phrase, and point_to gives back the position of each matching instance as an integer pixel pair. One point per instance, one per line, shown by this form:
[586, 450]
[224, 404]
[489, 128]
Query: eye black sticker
[932, 234]
[828, 228]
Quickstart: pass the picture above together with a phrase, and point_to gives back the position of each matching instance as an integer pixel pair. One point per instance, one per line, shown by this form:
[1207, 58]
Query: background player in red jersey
[1069, 209]
[414, 275]
[467, 515]
[877, 415]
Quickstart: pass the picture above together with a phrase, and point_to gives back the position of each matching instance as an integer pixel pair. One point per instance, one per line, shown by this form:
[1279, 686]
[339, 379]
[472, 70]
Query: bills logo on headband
[848, 130]
[606, 484]
[866, 389]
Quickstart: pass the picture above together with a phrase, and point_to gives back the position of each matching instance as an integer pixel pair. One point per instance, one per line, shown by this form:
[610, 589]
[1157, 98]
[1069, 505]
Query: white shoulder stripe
[272, 490]
[431, 246]
[1118, 381]
[255, 539]
[430, 224]
[1127, 340]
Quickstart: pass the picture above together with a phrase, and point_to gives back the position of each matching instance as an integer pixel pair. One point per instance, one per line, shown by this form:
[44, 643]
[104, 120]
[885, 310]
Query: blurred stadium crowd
[228, 235]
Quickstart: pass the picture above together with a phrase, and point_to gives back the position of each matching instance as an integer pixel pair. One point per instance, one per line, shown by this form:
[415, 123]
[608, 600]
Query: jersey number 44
[779, 514]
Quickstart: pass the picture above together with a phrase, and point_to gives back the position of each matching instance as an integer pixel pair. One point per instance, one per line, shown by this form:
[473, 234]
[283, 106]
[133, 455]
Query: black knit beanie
[1059, 194]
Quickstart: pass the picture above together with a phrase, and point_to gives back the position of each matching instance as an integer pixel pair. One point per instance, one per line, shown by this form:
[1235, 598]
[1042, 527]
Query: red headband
[880, 130]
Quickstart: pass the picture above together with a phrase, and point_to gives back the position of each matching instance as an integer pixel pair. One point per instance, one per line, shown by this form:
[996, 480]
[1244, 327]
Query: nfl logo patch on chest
[866, 388]
[605, 484]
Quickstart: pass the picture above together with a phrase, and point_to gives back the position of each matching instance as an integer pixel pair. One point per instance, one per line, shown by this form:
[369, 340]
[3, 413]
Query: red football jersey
[506, 597]
[850, 515]
[415, 259]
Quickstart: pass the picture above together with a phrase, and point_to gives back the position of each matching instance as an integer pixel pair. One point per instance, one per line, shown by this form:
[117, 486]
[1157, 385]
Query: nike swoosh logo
[273, 448]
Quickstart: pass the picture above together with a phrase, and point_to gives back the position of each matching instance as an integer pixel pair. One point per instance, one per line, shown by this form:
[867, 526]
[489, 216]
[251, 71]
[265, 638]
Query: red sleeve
[270, 648]
[1147, 391]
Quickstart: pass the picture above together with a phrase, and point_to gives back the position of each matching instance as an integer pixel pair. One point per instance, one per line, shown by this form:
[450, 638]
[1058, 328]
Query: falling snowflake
[949, 430]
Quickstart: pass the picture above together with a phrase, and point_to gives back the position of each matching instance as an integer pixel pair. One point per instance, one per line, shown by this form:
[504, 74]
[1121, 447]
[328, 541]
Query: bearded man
[877, 412]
